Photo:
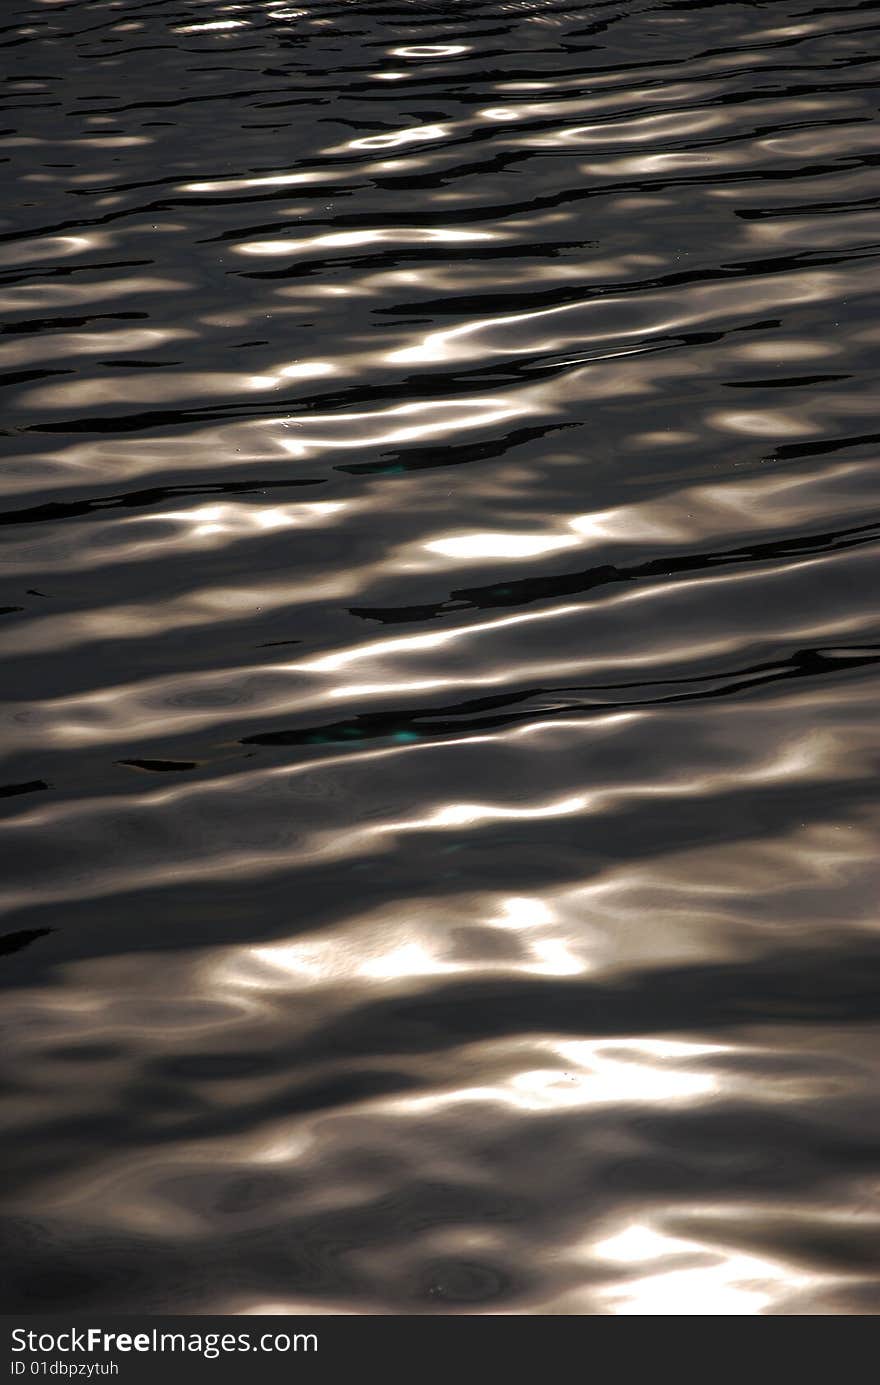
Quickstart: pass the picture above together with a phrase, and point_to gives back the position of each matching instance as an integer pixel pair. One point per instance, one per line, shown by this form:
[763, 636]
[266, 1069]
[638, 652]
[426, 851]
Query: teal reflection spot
[404, 736]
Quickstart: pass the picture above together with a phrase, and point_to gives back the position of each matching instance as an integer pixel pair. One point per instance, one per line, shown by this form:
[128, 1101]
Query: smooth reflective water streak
[439, 524]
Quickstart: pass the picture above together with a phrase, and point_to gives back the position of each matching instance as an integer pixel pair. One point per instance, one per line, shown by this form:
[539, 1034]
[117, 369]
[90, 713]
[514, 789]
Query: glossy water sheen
[440, 640]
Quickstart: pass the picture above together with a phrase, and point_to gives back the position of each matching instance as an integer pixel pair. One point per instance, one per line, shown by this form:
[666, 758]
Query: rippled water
[440, 642]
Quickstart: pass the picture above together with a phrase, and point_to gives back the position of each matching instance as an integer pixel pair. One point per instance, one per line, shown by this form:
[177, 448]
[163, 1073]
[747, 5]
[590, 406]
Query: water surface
[439, 523]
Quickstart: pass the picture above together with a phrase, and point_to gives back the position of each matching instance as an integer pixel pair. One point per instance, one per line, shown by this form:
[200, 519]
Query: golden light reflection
[764, 423]
[600, 321]
[395, 139]
[579, 1074]
[431, 50]
[52, 248]
[477, 546]
[470, 814]
[142, 389]
[194, 858]
[694, 1278]
[63, 344]
[672, 125]
[18, 297]
[105, 716]
[343, 240]
[242, 520]
[403, 423]
[403, 644]
[209, 26]
[308, 370]
[401, 947]
[272, 180]
[138, 538]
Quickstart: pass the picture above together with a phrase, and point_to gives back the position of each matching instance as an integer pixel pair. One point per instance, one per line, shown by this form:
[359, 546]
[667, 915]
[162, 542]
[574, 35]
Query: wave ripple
[439, 522]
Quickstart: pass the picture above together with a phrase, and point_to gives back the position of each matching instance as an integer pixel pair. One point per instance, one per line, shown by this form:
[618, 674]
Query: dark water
[441, 638]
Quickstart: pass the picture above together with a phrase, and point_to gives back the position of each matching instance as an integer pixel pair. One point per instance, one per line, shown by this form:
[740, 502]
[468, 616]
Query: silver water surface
[439, 537]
